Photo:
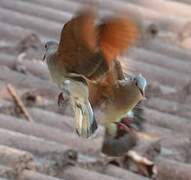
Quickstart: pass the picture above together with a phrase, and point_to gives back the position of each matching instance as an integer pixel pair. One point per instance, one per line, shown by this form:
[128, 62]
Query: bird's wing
[79, 32]
[119, 125]
[116, 35]
[88, 49]
[78, 46]
[125, 141]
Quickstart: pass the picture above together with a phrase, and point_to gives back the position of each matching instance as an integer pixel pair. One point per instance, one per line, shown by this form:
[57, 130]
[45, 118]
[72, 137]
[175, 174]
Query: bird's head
[50, 48]
[131, 90]
[141, 83]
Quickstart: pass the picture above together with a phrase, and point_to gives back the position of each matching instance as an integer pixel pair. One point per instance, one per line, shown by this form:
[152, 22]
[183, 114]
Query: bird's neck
[57, 72]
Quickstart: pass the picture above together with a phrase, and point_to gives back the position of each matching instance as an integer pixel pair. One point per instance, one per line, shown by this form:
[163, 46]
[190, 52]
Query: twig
[18, 102]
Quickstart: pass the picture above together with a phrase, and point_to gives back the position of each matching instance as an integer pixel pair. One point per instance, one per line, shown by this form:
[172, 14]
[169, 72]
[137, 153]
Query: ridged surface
[163, 58]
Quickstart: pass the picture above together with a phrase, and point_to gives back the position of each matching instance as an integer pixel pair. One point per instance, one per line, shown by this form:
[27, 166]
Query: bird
[127, 93]
[120, 121]
[84, 55]
[75, 88]
[120, 96]
[124, 96]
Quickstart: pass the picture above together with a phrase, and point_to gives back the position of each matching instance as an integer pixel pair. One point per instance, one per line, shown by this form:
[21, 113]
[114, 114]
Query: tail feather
[94, 125]
[85, 122]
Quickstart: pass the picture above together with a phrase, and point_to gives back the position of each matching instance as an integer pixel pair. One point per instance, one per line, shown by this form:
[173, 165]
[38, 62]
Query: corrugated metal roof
[164, 58]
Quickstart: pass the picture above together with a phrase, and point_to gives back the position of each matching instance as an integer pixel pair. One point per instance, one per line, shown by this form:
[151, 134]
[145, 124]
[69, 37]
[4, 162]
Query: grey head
[137, 81]
[50, 48]
[141, 83]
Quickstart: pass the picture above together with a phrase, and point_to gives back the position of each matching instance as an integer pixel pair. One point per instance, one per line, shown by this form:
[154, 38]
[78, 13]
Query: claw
[60, 99]
[125, 126]
[126, 121]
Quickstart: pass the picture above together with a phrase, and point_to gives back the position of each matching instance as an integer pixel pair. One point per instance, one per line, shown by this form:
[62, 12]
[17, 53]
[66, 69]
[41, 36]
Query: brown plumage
[104, 89]
[119, 95]
[87, 52]
[89, 49]
[116, 35]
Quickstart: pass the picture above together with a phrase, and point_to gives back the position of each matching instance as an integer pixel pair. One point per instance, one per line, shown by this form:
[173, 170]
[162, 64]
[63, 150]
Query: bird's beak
[141, 84]
[44, 57]
[143, 94]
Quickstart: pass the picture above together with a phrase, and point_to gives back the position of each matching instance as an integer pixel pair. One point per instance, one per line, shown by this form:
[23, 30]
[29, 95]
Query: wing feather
[77, 46]
[116, 35]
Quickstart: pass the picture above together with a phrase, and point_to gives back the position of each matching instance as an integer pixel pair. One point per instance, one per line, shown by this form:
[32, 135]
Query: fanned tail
[85, 122]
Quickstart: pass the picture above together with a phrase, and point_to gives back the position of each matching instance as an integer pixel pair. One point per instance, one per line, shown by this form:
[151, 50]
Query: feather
[85, 122]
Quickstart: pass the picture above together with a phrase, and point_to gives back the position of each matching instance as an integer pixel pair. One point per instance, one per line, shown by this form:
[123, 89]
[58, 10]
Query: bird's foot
[61, 99]
[125, 126]
[126, 121]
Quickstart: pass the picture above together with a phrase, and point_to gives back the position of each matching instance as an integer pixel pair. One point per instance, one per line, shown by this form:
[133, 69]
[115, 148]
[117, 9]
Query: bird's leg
[125, 126]
[61, 99]
[126, 121]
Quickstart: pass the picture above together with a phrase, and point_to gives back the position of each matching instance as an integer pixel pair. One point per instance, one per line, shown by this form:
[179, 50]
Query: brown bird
[123, 97]
[86, 52]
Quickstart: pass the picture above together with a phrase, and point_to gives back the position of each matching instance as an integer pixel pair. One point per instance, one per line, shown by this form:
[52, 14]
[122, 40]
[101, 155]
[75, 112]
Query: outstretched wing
[125, 141]
[78, 46]
[79, 32]
[87, 49]
[116, 35]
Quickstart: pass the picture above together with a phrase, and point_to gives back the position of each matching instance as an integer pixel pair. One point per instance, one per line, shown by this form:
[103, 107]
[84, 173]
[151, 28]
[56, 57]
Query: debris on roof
[45, 146]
